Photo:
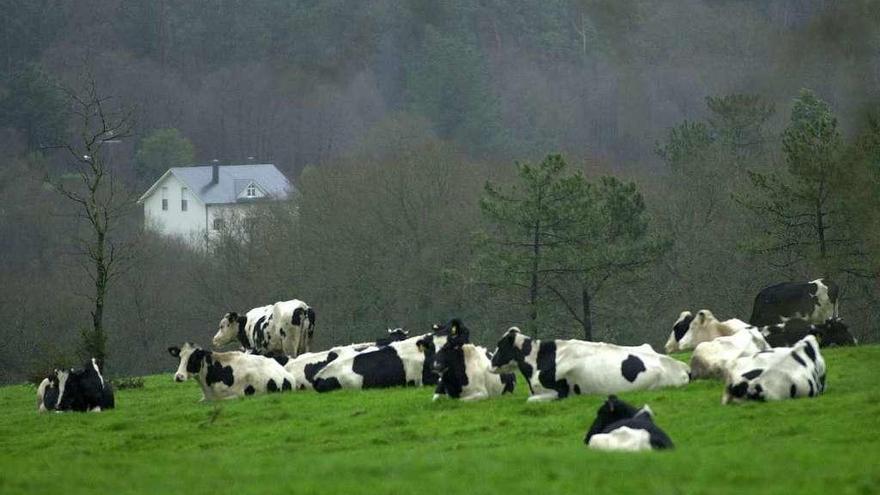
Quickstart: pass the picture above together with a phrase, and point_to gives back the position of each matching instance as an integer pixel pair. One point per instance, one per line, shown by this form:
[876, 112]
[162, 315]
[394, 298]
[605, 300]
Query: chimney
[215, 171]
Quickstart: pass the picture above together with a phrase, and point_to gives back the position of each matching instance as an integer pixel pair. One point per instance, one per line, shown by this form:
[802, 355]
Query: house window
[251, 191]
[164, 199]
[183, 204]
[218, 223]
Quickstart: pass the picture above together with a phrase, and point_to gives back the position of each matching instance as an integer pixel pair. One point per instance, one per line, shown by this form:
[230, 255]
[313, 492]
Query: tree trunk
[587, 320]
[533, 287]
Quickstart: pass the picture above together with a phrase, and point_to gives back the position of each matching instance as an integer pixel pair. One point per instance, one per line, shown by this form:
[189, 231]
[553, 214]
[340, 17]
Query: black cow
[815, 302]
[76, 390]
[620, 426]
[833, 332]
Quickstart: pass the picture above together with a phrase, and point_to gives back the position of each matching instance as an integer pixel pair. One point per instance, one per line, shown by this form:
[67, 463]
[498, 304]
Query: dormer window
[251, 191]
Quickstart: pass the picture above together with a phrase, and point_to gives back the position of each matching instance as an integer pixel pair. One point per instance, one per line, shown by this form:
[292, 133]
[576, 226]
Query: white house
[194, 203]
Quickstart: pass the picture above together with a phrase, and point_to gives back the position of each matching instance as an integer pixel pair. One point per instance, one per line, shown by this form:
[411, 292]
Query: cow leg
[545, 397]
[476, 396]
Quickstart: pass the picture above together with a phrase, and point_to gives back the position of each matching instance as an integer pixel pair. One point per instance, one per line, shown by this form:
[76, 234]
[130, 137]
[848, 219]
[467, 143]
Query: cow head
[834, 332]
[679, 329]
[192, 358]
[611, 411]
[230, 326]
[47, 393]
[509, 351]
[397, 334]
[449, 357]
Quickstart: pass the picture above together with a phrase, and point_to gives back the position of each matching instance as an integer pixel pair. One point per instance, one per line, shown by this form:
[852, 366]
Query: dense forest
[579, 168]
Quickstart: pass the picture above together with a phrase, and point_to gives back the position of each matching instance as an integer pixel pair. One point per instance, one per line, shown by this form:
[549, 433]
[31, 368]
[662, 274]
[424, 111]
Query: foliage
[160, 150]
[351, 438]
[552, 226]
[801, 205]
[35, 104]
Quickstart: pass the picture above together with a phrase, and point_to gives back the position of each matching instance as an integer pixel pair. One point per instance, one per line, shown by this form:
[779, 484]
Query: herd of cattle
[773, 356]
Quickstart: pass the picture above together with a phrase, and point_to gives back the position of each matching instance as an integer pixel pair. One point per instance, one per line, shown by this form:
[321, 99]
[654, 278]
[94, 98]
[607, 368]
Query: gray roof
[232, 181]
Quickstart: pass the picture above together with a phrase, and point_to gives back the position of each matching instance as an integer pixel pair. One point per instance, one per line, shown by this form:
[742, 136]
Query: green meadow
[161, 440]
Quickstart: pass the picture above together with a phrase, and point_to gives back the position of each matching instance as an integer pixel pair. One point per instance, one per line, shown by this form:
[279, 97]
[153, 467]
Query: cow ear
[232, 316]
[174, 351]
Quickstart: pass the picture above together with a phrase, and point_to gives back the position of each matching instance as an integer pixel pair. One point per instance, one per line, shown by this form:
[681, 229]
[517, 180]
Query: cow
[711, 359]
[814, 301]
[689, 330]
[832, 332]
[76, 390]
[294, 322]
[397, 364]
[777, 374]
[305, 366]
[463, 371]
[227, 375]
[254, 331]
[553, 369]
[621, 427]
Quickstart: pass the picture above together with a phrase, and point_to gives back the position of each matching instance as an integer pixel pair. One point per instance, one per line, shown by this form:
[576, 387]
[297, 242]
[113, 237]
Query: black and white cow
[832, 332]
[305, 366]
[777, 374]
[397, 364]
[226, 375]
[712, 359]
[690, 330]
[816, 302]
[254, 331]
[555, 368]
[76, 390]
[621, 427]
[464, 371]
[294, 322]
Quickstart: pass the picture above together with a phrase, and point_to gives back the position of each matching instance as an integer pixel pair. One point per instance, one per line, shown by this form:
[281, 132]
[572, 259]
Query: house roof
[232, 180]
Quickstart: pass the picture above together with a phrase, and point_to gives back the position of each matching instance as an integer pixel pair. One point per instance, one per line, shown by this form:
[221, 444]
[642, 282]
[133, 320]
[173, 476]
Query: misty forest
[578, 168]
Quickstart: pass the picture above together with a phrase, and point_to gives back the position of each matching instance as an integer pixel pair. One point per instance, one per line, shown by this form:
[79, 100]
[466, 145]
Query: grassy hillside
[161, 440]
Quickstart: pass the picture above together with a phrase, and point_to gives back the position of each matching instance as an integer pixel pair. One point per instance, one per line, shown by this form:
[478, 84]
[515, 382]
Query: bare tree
[100, 200]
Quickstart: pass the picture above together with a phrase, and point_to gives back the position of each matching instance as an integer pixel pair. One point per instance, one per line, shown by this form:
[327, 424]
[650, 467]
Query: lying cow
[620, 426]
[463, 371]
[690, 330]
[294, 323]
[711, 359]
[397, 364]
[830, 333]
[776, 374]
[76, 390]
[555, 368]
[254, 331]
[815, 302]
[226, 375]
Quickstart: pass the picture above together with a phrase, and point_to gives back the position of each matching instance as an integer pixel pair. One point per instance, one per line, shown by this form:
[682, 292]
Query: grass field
[161, 440]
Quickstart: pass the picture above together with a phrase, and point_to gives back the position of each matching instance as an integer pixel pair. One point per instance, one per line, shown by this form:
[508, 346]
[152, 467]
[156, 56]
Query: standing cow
[777, 374]
[815, 302]
[226, 375]
[254, 331]
[294, 322]
[555, 368]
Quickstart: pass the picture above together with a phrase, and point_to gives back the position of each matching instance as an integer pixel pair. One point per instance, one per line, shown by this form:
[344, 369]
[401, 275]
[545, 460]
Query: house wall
[189, 225]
